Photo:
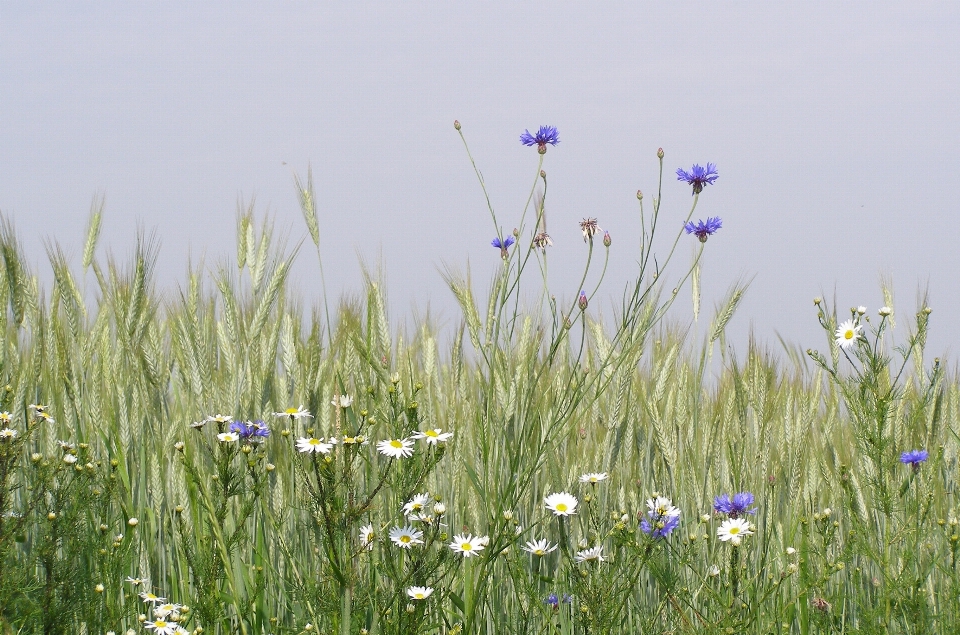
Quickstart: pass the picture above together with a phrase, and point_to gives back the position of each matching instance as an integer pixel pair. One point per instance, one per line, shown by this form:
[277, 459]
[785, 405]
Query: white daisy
[341, 401]
[561, 504]
[5, 417]
[313, 445]
[69, 459]
[136, 581]
[220, 419]
[416, 504]
[468, 546]
[228, 437]
[147, 596]
[594, 477]
[366, 537]
[162, 627]
[419, 592]
[294, 413]
[433, 436]
[848, 333]
[662, 507]
[164, 610]
[406, 537]
[395, 448]
[885, 311]
[733, 530]
[7, 434]
[539, 547]
[587, 555]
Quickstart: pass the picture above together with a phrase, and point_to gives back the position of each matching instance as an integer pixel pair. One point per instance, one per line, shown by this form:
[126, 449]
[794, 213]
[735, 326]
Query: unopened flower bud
[456, 124]
[861, 310]
[606, 239]
[817, 301]
[178, 446]
[639, 195]
[582, 301]
[927, 311]
[885, 311]
[271, 467]
[543, 174]
[659, 153]
[98, 588]
[133, 522]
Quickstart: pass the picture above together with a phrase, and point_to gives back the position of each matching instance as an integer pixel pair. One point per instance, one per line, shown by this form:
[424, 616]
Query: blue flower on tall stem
[503, 245]
[699, 177]
[914, 458]
[255, 431]
[546, 134]
[704, 229]
[734, 506]
[659, 527]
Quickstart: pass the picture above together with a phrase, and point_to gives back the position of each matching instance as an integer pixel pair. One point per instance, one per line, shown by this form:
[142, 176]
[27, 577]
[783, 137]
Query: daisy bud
[792, 568]
[178, 446]
[885, 311]
[791, 551]
[507, 514]
[456, 124]
[714, 571]
[133, 522]
[582, 301]
[861, 310]
[51, 516]
[817, 301]
[98, 588]
[35, 457]
[271, 467]
[705, 518]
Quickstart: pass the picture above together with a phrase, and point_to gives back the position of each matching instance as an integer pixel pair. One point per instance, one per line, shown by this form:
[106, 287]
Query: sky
[833, 127]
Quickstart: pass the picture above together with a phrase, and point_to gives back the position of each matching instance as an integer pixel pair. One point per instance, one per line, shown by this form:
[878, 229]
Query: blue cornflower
[503, 245]
[704, 229]
[546, 134]
[734, 506]
[698, 177]
[255, 431]
[659, 526]
[552, 600]
[914, 458]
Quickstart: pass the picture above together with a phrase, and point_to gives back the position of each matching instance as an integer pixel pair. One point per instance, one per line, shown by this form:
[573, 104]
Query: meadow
[222, 459]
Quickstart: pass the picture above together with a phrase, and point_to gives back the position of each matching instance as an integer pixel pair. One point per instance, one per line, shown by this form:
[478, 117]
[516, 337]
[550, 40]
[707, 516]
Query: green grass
[258, 538]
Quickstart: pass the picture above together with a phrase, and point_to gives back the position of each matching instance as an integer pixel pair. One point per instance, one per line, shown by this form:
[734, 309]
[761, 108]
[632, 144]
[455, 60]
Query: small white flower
[439, 509]
[885, 311]
[539, 547]
[136, 581]
[69, 459]
[396, 448]
[7, 433]
[341, 401]
[406, 537]
[313, 445]
[561, 504]
[433, 436]
[848, 333]
[467, 545]
[587, 555]
[662, 507]
[417, 504]
[594, 477]
[791, 551]
[733, 530]
[228, 437]
[419, 592]
[162, 627]
[294, 413]
[220, 419]
[163, 610]
[713, 571]
[366, 537]
[861, 310]
[133, 522]
[147, 596]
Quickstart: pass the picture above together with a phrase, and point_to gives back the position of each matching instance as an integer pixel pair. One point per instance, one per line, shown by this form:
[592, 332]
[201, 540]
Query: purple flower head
[582, 301]
[734, 506]
[546, 134]
[503, 245]
[255, 431]
[659, 526]
[552, 600]
[698, 177]
[914, 458]
[704, 229]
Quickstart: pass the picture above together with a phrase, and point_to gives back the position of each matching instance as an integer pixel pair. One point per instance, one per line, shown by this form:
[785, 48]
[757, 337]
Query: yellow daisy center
[404, 539]
[418, 595]
[848, 334]
[734, 530]
[466, 546]
[291, 411]
[160, 624]
[561, 507]
[431, 433]
[539, 552]
[396, 443]
[314, 441]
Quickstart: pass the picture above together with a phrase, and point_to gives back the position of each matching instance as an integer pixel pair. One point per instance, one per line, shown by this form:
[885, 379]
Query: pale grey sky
[834, 127]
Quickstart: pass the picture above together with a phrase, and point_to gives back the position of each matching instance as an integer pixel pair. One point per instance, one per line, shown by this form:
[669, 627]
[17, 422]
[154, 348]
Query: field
[535, 471]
